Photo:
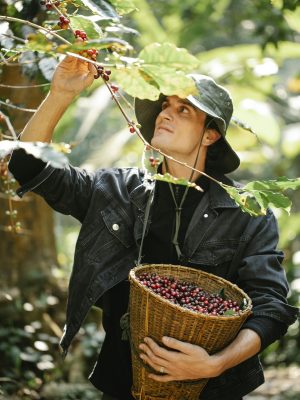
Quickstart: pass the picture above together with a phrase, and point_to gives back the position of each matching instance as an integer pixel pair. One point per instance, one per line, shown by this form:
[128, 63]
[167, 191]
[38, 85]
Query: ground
[281, 384]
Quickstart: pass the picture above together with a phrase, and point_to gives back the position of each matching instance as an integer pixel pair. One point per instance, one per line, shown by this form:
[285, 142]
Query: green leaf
[166, 65]
[101, 8]
[168, 55]
[136, 83]
[257, 196]
[81, 22]
[38, 42]
[159, 69]
[170, 81]
[177, 181]
[280, 184]
[52, 153]
[245, 201]
[222, 294]
[106, 43]
[124, 6]
[229, 313]
[243, 304]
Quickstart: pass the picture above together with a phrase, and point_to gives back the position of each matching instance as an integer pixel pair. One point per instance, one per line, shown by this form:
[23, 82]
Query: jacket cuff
[36, 181]
[269, 330]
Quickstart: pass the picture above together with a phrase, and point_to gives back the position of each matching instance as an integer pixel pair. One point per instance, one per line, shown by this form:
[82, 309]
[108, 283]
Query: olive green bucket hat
[215, 101]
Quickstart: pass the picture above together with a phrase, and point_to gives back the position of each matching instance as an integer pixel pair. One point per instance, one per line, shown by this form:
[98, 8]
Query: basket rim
[243, 313]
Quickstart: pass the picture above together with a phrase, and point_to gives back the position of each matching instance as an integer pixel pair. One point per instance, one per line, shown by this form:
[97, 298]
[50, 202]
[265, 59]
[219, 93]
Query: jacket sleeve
[67, 190]
[262, 276]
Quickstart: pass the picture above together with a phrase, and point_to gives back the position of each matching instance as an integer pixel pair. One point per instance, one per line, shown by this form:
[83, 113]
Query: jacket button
[115, 227]
[205, 215]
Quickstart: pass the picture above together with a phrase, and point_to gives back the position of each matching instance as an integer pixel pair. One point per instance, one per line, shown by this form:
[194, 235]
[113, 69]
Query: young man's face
[178, 128]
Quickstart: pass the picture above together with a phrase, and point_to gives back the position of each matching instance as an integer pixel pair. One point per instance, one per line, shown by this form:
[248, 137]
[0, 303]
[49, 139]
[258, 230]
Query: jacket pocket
[109, 232]
[215, 253]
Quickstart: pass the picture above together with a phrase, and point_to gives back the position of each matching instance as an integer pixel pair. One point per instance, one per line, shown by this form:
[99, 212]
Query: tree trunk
[26, 258]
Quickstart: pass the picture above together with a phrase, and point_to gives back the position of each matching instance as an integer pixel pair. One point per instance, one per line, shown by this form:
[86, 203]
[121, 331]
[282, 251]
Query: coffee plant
[83, 29]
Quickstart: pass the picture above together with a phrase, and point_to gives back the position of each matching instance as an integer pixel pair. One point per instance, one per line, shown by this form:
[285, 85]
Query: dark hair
[213, 152]
[211, 123]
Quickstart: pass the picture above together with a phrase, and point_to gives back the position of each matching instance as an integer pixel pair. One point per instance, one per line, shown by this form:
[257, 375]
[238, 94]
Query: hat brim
[146, 111]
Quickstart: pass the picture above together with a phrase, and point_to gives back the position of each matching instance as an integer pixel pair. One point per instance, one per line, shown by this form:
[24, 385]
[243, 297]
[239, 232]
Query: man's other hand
[181, 361]
[72, 76]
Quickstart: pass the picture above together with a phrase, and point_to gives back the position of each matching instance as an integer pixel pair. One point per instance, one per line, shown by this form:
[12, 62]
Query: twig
[126, 101]
[4, 18]
[61, 14]
[75, 55]
[13, 37]
[9, 125]
[23, 86]
[16, 64]
[18, 108]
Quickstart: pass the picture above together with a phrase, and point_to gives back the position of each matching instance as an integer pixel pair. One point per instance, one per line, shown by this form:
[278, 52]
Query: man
[202, 230]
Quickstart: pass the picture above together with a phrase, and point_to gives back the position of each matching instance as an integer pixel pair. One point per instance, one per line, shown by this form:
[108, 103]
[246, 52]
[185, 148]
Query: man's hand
[188, 361]
[72, 76]
[184, 361]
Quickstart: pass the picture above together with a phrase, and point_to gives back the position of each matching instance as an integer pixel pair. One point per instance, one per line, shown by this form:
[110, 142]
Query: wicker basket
[153, 316]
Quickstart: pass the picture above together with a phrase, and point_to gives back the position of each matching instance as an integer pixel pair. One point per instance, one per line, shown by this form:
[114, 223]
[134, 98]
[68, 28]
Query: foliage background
[252, 47]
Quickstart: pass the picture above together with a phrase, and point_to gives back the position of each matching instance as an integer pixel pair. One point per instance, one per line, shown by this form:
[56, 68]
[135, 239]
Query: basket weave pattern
[153, 316]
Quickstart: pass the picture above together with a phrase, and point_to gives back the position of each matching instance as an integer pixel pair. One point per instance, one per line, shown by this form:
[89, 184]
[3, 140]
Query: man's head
[211, 107]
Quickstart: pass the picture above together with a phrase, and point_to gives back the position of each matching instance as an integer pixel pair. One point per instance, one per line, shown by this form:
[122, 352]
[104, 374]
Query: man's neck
[181, 171]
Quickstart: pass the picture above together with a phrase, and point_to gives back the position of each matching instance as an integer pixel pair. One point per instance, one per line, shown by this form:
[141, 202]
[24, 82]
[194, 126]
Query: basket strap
[146, 218]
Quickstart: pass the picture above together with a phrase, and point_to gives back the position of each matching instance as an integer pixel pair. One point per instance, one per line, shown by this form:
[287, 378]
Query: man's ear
[210, 137]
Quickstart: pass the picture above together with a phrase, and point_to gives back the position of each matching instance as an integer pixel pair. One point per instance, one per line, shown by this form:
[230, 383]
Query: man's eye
[183, 109]
[164, 106]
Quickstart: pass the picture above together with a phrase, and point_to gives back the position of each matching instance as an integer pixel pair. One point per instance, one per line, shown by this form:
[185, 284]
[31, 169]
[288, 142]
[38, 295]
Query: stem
[69, 53]
[10, 127]
[22, 21]
[126, 101]
[18, 108]
[16, 63]
[23, 86]
[61, 14]
[13, 37]
[118, 103]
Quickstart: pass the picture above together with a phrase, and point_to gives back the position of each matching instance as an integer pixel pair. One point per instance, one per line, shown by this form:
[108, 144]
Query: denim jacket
[221, 239]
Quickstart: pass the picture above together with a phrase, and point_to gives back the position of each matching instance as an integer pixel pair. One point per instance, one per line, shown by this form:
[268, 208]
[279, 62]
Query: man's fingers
[158, 350]
[93, 69]
[156, 366]
[69, 59]
[162, 378]
[175, 344]
[155, 362]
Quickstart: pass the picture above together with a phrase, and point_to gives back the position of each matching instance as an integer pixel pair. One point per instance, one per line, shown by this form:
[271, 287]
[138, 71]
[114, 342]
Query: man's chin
[158, 143]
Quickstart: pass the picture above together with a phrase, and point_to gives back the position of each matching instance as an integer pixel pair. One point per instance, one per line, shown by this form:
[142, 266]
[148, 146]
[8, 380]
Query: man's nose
[166, 113]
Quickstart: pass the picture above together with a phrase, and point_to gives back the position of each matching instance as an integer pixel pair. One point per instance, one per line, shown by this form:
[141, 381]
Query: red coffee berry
[80, 34]
[188, 294]
[132, 129]
[114, 88]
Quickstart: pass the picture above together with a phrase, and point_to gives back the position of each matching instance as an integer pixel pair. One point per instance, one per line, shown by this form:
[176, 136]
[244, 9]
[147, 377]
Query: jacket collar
[218, 196]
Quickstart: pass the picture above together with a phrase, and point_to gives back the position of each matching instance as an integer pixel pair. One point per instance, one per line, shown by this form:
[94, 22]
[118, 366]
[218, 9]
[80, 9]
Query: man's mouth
[165, 128]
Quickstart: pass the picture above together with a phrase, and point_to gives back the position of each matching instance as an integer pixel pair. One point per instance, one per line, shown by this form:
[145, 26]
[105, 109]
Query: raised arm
[67, 190]
[71, 77]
